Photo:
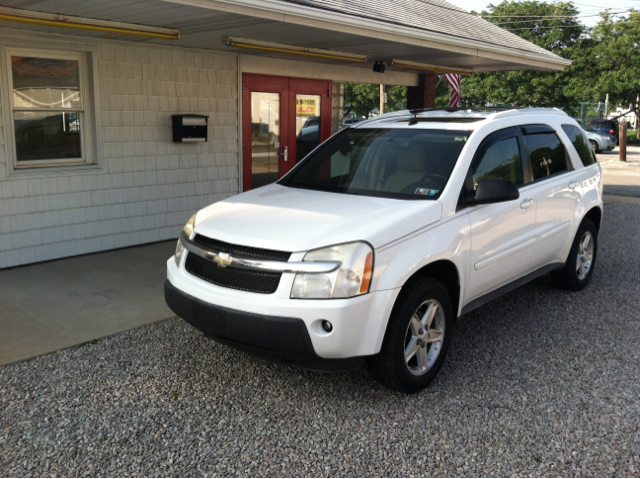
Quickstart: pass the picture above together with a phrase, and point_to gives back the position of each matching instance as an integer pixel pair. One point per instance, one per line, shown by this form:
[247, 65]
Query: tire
[577, 271]
[594, 146]
[390, 367]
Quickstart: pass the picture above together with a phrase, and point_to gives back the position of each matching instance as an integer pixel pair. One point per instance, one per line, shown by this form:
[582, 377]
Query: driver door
[503, 235]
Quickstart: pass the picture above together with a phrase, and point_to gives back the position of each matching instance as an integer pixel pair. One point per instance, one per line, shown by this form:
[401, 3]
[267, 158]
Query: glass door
[265, 101]
[308, 113]
[310, 116]
[284, 119]
[265, 138]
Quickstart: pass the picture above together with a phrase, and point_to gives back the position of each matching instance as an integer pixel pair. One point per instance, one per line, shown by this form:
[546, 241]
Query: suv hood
[290, 219]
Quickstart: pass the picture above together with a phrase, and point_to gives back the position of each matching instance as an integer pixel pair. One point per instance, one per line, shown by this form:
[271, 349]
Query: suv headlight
[353, 278]
[188, 231]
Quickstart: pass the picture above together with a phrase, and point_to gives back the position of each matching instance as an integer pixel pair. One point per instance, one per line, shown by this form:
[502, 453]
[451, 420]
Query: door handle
[285, 154]
[573, 185]
[526, 204]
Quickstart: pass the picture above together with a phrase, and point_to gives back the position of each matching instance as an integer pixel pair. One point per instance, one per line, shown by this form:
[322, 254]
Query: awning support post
[423, 95]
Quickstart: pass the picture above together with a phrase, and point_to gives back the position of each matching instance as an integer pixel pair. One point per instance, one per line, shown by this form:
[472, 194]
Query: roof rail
[495, 112]
[530, 111]
[462, 109]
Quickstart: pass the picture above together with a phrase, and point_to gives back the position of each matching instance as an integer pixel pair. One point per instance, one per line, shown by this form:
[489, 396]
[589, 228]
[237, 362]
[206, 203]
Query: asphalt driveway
[540, 382]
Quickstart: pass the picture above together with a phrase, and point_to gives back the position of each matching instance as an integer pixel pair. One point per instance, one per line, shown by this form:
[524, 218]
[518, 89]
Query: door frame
[288, 88]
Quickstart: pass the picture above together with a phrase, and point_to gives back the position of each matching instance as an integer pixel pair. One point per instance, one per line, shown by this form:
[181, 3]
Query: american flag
[454, 80]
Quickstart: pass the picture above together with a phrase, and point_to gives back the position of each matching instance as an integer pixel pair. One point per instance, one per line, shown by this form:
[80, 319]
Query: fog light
[327, 326]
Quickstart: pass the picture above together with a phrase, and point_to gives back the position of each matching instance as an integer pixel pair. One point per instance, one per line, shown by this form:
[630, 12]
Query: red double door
[283, 119]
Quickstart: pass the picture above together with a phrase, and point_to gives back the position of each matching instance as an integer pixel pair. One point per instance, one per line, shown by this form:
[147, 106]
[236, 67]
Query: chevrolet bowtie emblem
[221, 259]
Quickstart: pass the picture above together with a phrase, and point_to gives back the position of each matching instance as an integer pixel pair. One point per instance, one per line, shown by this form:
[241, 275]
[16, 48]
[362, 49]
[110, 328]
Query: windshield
[389, 163]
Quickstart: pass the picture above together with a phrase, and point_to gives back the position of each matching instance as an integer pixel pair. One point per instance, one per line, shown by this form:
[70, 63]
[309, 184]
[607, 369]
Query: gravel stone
[540, 382]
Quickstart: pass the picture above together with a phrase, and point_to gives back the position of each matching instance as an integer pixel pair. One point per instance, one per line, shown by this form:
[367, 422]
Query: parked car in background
[599, 141]
[370, 248]
[608, 127]
[351, 121]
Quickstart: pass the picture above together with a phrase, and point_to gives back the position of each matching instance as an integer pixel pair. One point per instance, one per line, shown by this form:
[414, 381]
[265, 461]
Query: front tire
[594, 146]
[417, 337]
[581, 262]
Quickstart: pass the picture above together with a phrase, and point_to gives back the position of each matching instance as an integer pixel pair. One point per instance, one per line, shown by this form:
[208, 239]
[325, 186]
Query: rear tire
[417, 337]
[577, 271]
[594, 146]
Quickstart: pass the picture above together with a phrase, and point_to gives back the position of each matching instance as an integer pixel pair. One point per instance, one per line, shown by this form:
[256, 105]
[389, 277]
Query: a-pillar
[423, 95]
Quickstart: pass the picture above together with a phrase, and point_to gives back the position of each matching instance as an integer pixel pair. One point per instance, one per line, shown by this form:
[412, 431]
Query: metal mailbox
[190, 128]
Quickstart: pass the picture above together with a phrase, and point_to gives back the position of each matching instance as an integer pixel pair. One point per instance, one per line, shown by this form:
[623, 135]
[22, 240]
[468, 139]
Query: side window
[547, 154]
[340, 164]
[581, 144]
[502, 160]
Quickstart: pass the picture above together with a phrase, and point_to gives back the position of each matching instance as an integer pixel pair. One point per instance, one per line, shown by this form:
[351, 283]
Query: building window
[49, 108]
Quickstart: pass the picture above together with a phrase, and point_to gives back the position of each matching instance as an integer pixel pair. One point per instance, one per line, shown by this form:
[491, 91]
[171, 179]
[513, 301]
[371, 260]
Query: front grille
[242, 251]
[245, 280]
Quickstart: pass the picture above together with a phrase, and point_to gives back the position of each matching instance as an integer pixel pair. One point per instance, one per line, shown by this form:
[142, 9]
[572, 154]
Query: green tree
[553, 26]
[361, 98]
[617, 49]
[364, 98]
[396, 98]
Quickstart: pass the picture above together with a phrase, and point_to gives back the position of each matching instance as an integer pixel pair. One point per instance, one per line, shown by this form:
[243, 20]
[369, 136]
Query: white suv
[374, 244]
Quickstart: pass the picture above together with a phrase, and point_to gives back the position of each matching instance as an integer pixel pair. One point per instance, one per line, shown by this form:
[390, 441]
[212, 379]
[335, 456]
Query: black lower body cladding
[277, 339]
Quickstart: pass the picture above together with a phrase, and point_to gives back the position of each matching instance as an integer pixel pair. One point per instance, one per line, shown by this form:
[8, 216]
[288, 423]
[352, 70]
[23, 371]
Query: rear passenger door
[558, 192]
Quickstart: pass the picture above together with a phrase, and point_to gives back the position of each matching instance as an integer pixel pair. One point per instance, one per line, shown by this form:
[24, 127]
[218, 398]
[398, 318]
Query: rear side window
[502, 160]
[581, 144]
[547, 154]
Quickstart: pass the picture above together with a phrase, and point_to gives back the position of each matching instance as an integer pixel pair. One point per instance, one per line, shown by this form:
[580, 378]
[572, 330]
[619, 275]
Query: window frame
[89, 121]
[582, 132]
[488, 141]
[538, 128]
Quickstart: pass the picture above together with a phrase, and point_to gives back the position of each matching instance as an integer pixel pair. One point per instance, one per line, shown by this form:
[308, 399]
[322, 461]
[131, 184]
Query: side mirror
[494, 190]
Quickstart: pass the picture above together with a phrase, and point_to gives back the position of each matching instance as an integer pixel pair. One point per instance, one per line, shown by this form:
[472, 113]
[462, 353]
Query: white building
[88, 160]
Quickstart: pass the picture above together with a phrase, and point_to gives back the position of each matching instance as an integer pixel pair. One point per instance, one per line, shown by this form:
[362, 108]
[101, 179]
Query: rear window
[391, 163]
[581, 144]
[604, 124]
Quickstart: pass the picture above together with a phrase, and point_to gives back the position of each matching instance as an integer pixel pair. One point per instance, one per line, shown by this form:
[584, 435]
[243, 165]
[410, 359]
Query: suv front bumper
[358, 323]
[278, 339]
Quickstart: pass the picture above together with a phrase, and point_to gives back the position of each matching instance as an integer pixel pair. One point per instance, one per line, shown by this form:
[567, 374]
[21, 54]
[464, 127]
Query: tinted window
[547, 154]
[391, 163]
[581, 144]
[502, 160]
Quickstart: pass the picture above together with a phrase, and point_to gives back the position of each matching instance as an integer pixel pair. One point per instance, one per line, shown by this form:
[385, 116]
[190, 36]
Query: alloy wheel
[424, 337]
[584, 259]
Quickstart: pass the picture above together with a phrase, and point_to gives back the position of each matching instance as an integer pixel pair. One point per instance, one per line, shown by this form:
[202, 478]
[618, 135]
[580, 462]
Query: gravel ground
[538, 383]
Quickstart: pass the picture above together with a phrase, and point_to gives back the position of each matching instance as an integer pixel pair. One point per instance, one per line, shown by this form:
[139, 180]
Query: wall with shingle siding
[147, 186]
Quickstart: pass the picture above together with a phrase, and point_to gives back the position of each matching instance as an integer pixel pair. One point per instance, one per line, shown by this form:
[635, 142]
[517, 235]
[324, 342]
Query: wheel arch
[447, 273]
[595, 215]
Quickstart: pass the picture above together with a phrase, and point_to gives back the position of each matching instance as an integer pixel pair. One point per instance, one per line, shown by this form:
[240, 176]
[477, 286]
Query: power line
[557, 27]
[490, 15]
[537, 19]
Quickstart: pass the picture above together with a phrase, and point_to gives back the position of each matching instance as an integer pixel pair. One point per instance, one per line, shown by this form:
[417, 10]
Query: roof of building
[427, 32]
[429, 15]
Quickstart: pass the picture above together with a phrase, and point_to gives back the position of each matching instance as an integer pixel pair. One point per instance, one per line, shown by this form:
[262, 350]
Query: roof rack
[494, 111]
[462, 109]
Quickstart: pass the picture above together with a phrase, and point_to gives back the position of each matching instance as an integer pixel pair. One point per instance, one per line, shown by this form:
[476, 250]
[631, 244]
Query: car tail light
[612, 132]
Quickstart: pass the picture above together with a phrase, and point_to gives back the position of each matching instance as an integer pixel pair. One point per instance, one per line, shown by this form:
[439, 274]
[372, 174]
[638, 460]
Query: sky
[588, 10]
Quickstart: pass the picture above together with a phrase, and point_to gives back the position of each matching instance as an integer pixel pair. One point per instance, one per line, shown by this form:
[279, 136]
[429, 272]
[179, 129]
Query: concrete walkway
[621, 178]
[54, 305]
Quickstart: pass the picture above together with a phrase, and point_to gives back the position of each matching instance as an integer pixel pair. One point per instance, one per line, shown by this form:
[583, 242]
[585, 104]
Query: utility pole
[606, 107]
[623, 140]
[382, 99]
